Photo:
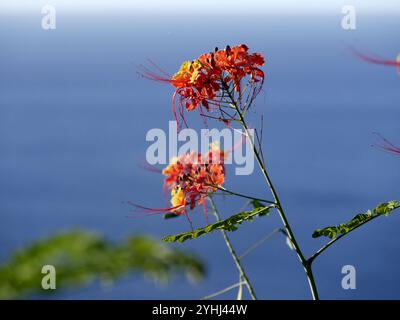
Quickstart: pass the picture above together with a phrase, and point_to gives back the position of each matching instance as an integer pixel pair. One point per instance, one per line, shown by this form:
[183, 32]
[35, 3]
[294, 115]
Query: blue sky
[205, 6]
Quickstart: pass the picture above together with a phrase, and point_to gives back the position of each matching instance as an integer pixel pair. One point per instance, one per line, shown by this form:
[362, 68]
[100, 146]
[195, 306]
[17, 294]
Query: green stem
[290, 234]
[233, 253]
[243, 196]
[213, 295]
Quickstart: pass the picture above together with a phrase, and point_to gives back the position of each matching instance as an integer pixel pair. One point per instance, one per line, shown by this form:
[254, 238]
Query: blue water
[74, 115]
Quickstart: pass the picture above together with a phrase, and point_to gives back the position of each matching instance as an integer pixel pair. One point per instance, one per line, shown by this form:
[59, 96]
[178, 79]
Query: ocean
[74, 114]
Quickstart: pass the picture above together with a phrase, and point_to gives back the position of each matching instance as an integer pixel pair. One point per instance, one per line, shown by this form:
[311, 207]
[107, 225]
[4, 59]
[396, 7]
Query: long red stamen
[174, 108]
[159, 69]
[205, 212]
[149, 167]
[150, 75]
[140, 208]
[375, 60]
[387, 146]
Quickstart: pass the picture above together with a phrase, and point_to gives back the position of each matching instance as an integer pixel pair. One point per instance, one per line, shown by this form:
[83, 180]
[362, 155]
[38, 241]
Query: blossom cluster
[226, 81]
[212, 79]
[192, 176]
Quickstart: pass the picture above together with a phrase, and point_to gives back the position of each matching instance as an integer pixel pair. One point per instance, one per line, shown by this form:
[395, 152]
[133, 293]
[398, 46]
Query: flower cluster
[211, 80]
[192, 176]
[226, 81]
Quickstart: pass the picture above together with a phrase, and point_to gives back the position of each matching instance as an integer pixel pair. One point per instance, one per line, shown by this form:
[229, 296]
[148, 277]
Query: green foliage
[170, 215]
[256, 204]
[229, 224]
[360, 219]
[80, 257]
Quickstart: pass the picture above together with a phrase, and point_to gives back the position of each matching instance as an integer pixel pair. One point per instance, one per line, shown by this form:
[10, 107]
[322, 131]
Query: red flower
[190, 178]
[236, 63]
[208, 80]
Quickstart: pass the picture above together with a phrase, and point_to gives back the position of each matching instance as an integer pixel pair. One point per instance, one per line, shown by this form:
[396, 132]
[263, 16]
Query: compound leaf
[229, 224]
[333, 231]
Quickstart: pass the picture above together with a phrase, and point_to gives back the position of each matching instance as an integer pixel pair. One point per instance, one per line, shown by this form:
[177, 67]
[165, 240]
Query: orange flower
[237, 63]
[205, 81]
[178, 198]
[192, 176]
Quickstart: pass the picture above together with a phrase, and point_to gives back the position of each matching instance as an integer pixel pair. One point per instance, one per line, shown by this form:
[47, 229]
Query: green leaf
[333, 231]
[80, 257]
[256, 204]
[170, 215]
[229, 224]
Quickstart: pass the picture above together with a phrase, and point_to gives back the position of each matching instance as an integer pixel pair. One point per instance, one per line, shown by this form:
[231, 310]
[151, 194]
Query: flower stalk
[212, 85]
[290, 234]
[232, 252]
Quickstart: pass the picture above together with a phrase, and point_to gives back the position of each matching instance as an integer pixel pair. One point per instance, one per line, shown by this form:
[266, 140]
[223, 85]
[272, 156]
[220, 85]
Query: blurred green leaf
[360, 219]
[80, 257]
[229, 224]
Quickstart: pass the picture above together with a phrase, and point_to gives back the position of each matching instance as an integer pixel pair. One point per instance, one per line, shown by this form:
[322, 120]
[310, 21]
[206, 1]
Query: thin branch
[300, 255]
[261, 138]
[243, 196]
[219, 118]
[240, 291]
[232, 252]
[260, 242]
[213, 295]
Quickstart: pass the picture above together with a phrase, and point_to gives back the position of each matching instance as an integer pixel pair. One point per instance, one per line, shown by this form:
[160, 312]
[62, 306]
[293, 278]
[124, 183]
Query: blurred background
[74, 114]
